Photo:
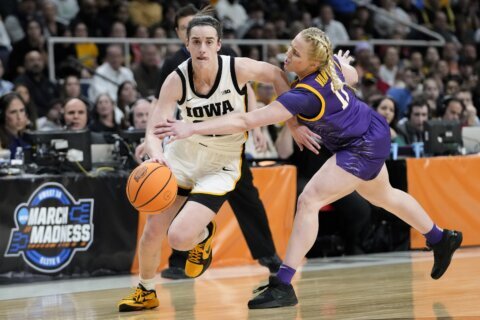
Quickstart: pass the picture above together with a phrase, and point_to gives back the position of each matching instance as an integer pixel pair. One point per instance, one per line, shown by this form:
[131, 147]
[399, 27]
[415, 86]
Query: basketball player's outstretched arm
[246, 70]
[163, 109]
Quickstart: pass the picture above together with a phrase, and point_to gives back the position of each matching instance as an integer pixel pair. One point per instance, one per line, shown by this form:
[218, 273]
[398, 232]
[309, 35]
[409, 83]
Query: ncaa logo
[50, 228]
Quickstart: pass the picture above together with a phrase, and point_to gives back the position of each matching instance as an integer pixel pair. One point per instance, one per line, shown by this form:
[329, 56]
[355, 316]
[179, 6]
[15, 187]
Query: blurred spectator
[51, 121]
[86, 53]
[118, 30]
[75, 117]
[334, 29]
[42, 91]
[135, 48]
[357, 32]
[471, 111]
[279, 143]
[441, 26]
[452, 109]
[139, 111]
[52, 25]
[66, 9]
[431, 60]
[233, 11]
[5, 43]
[467, 19]
[126, 95]
[363, 53]
[97, 25]
[368, 88]
[5, 85]
[442, 72]
[120, 14]
[71, 88]
[23, 91]
[256, 17]
[344, 10]
[16, 23]
[13, 122]
[468, 75]
[431, 91]
[389, 68]
[103, 115]
[429, 10]
[452, 85]
[275, 141]
[110, 74]
[387, 107]
[147, 72]
[33, 41]
[363, 19]
[451, 55]
[405, 89]
[374, 68]
[469, 54]
[383, 23]
[412, 130]
[75, 114]
[145, 12]
[416, 62]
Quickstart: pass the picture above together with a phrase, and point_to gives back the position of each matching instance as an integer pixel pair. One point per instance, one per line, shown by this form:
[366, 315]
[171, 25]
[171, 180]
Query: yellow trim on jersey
[319, 96]
[245, 102]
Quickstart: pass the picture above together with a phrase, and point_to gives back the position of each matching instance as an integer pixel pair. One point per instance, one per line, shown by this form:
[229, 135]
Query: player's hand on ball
[174, 129]
[159, 158]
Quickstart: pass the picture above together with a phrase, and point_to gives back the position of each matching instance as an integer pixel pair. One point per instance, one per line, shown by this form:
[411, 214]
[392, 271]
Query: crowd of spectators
[409, 84]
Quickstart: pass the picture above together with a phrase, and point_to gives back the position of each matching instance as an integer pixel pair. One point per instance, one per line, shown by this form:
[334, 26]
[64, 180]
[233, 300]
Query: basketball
[151, 188]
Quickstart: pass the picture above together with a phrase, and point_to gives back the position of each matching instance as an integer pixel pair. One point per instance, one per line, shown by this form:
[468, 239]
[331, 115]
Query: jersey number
[342, 95]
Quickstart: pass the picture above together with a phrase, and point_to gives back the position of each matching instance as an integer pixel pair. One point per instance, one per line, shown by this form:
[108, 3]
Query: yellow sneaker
[139, 300]
[200, 257]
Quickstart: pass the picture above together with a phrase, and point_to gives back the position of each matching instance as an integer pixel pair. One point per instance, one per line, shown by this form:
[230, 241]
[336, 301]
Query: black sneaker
[273, 295]
[443, 251]
[273, 263]
[174, 273]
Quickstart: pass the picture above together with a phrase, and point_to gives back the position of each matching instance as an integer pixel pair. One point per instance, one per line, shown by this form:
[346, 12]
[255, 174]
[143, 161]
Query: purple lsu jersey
[358, 135]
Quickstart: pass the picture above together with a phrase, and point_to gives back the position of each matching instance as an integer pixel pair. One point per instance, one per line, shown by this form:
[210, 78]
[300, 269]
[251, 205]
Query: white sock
[148, 284]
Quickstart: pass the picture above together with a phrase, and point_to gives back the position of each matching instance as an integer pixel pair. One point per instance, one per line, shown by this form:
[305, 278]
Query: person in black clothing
[244, 200]
[41, 89]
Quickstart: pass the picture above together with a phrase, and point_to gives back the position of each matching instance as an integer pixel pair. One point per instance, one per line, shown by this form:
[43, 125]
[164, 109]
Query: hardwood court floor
[382, 286]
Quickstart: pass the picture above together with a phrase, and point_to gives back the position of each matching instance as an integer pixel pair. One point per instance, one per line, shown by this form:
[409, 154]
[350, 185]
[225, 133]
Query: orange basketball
[151, 187]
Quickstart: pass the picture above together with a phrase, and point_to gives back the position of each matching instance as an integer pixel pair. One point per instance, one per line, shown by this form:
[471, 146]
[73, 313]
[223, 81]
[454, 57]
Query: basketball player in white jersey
[206, 167]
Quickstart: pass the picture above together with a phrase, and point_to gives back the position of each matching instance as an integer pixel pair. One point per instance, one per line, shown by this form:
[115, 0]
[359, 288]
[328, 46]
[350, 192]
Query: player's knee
[307, 203]
[179, 239]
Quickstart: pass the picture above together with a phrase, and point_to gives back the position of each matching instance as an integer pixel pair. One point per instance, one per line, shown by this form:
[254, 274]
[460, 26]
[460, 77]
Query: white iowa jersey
[224, 98]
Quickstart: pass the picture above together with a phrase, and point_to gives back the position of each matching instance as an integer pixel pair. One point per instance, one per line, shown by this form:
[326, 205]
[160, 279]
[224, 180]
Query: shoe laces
[136, 295]
[195, 255]
[261, 288]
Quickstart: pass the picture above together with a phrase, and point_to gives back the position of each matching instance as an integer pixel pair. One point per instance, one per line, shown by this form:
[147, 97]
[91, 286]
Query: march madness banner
[69, 225]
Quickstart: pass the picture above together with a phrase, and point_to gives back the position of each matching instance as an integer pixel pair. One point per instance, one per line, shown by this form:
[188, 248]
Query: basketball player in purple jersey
[324, 107]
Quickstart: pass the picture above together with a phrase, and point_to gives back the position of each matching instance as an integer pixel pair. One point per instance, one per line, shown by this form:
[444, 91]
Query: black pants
[251, 216]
